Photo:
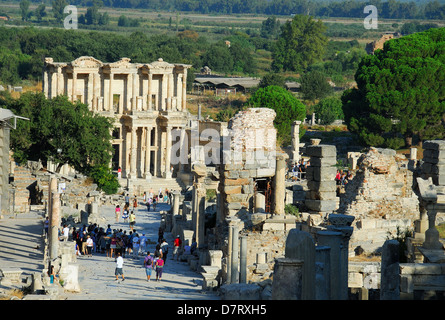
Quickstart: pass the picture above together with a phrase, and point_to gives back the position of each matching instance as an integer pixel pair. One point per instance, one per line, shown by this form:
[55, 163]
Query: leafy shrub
[105, 179]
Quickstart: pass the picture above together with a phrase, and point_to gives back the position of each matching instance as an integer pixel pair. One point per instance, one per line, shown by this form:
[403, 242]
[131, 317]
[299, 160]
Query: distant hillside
[391, 9]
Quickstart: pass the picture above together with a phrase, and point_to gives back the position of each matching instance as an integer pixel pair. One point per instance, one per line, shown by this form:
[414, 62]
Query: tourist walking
[135, 202]
[136, 244]
[90, 244]
[132, 220]
[148, 264]
[127, 200]
[65, 232]
[159, 267]
[119, 267]
[113, 244]
[117, 212]
[46, 226]
[143, 243]
[176, 246]
[164, 248]
[125, 214]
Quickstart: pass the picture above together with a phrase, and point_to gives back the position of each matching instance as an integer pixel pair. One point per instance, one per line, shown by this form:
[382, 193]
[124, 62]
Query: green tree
[24, 9]
[57, 8]
[272, 79]
[329, 110]
[40, 12]
[60, 131]
[287, 108]
[270, 28]
[218, 58]
[400, 92]
[315, 86]
[300, 44]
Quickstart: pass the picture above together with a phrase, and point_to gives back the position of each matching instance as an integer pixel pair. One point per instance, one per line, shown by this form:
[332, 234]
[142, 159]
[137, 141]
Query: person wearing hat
[177, 245]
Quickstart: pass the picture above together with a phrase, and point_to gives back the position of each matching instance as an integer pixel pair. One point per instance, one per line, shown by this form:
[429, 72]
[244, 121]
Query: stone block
[321, 151]
[237, 197]
[265, 172]
[355, 280]
[321, 173]
[325, 161]
[236, 182]
[329, 186]
[321, 195]
[321, 205]
[232, 174]
[232, 189]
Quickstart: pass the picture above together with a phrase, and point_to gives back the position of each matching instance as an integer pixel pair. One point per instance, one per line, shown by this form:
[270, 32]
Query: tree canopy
[60, 131]
[287, 108]
[301, 43]
[400, 92]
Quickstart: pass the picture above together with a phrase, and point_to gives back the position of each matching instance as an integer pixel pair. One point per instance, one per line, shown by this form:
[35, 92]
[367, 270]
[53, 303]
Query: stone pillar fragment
[300, 245]
[390, 279]
[243, 259]
[332, 240]
[287, 282]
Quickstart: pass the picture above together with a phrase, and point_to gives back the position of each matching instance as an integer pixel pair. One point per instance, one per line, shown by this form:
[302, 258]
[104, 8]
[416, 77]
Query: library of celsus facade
[146, 101]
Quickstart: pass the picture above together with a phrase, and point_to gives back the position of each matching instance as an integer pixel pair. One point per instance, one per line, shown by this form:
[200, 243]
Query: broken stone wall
[249, 153]
[381, 197]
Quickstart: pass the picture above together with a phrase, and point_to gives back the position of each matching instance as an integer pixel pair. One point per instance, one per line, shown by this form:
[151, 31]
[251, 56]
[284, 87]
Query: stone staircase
[139, 186]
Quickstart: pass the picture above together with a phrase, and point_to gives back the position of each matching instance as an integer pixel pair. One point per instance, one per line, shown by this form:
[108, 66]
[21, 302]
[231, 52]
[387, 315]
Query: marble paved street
[21, 247]
[96, 273]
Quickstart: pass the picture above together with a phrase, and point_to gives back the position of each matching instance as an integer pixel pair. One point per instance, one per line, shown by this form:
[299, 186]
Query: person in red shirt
[177, 245]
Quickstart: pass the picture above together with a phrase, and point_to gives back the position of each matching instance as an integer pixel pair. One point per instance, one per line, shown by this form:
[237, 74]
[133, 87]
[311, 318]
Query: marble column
[176, 197]
[279, 184]
[110, 95]
[200, 201]
[128, 102]
[74, 87]
[178, 93]
[89, 99]
[134, 92]
[45, 81]
[296, 141]
[168, 148]
[164, 88]
[133, 153]
[54, 218]
[234, 252]
[170, 87]
[184, 90]
[147, 173]
[59, 81]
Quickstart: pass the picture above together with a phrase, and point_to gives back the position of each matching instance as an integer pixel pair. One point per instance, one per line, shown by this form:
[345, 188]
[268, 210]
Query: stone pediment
[86, 62]
[122, 63]
[160, 64]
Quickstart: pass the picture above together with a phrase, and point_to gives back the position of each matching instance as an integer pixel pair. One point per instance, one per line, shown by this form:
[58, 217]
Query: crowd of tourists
[118, 243]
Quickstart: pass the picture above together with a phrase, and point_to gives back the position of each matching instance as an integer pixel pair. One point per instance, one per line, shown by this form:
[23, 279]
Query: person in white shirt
[119, 267]
[90, 245]
[65, 233]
